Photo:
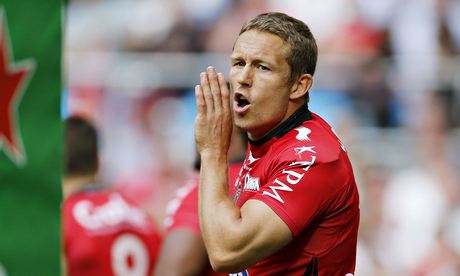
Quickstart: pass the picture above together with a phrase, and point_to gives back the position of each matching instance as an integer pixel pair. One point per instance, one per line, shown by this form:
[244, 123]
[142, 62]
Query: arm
[182, 254]
[234, 238]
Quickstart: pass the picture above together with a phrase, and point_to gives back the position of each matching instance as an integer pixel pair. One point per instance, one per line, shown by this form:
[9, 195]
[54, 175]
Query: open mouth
[241, 104]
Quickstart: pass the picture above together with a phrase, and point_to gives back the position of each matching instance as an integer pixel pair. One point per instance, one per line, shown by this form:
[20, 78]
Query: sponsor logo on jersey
[251, 183]
[291, 177]
[115, 211]
[301, 150]
[306, 164]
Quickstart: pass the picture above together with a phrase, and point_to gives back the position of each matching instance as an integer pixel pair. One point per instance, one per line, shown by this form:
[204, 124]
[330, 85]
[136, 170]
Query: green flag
[30, 137]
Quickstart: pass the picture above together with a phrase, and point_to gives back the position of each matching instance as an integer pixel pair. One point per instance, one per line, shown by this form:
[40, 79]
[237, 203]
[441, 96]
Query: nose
[245, 76]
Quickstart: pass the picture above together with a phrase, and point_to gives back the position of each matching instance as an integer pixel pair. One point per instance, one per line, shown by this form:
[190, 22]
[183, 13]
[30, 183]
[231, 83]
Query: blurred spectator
[149, 24]
[418, 198]
[418, 33]
[372, 95]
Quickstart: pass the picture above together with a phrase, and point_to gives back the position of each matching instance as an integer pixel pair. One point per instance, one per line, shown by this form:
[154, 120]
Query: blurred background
[388, 81]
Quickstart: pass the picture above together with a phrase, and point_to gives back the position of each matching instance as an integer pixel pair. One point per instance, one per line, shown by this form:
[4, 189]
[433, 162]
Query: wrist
[213, 156]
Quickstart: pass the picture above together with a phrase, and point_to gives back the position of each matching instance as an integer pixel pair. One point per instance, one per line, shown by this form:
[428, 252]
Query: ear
[301, 86]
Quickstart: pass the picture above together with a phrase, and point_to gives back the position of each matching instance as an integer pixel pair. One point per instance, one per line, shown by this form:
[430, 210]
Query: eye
[263, 68]
[238, 63]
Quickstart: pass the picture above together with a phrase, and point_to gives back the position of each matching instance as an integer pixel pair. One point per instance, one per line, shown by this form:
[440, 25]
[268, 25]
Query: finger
[224, 92]
[199, 98]
[207, 94]
[215, 89]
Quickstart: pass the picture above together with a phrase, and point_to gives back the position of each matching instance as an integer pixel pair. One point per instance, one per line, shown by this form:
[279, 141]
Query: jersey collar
[297, 118]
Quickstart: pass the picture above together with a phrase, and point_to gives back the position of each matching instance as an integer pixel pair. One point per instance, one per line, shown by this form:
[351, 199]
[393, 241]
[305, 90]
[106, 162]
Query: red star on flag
[12, 83]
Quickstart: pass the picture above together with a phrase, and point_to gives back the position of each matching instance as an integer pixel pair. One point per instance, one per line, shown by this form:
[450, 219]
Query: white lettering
[303, 149]
[251, 183]
[115, 211]
[281, 187]
[292, 177]
[307, 164]
[297, 176]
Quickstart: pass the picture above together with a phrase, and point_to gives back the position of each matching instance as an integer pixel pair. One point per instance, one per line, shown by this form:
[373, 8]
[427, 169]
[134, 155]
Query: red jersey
[106, 234]
[302, 172]
[183, 210]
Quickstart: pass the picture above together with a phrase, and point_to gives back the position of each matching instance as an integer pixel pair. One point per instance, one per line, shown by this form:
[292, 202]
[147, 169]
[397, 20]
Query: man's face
[259, 77]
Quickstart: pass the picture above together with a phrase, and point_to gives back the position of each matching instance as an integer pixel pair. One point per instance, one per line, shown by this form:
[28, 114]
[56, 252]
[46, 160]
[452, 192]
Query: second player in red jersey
[104, 233]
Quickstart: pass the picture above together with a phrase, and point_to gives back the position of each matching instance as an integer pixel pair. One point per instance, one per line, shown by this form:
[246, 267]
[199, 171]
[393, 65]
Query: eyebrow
[255, 61]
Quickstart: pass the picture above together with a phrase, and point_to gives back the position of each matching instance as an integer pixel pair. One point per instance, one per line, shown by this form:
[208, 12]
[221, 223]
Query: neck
[73, 184]
[294, 120]
[293, 107]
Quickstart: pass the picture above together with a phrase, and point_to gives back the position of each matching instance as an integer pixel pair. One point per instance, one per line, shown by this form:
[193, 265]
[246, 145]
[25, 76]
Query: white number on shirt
[129, 256]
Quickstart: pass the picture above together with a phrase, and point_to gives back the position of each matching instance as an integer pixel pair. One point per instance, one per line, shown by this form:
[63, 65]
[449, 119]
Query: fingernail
[211, 69]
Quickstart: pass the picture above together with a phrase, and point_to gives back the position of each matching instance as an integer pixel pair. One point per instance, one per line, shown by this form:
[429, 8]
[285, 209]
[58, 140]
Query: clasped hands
[213, 123]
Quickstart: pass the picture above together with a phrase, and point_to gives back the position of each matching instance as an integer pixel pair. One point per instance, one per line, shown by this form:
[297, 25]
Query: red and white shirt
[104, 233]
[302, 172]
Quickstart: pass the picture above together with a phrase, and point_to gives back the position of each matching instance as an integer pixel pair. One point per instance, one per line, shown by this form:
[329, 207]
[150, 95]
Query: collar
[297, 118]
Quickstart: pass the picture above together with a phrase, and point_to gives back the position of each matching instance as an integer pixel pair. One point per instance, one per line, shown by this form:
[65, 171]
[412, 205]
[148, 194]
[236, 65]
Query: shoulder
[86, 196]
[314, 138]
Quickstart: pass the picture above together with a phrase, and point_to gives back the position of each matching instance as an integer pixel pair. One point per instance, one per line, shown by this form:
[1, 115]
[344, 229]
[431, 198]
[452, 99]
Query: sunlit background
[388, 81]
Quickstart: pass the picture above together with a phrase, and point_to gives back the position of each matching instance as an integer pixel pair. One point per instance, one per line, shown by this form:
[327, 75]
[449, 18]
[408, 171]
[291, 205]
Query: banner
[30, 137]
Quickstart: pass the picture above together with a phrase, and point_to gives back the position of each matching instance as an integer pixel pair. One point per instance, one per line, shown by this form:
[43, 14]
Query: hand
[213, 123]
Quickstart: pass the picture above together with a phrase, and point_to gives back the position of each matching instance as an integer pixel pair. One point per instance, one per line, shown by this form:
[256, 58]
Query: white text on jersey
[113, 212]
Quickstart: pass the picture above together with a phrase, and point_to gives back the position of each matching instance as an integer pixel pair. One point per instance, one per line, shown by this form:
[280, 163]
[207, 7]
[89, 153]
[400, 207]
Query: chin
[241, 123]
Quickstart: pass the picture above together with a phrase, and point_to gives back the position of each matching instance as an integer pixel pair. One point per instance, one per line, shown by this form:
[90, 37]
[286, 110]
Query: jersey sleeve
[184, 213]
[302, 190]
